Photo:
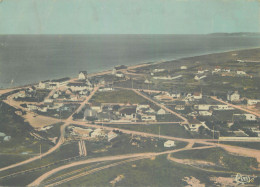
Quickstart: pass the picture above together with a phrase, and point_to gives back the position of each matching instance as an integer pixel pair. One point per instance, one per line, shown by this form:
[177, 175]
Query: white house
[176, 95]
[146, 118]
[240, 72]
[202, 107]
[200, 71]
[78, 86]
[161, 112]
[158, 70]
[226, 70]
[32, 107]
[120, 75]
[169, 143]
[217, 69]
[97, 108]
[205, 113]
[250, 117]
[48, 101]
[233, 96]
[199, 77]
[223, 107]
[43, 85]
[141, 107]
[183, 67]
[106, 89]
[83, 75]
[197, 95]
[253, 101]
[147, 81]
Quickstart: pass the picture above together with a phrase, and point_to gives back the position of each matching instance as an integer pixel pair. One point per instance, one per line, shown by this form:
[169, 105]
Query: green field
[165, 129]
[14, 126]
[221, 158]
[123, 144]
[56, 159]
[118, 96]
[147, 172]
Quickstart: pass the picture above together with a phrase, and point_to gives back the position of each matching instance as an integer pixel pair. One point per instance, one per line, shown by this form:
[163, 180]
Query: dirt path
[40, 179]
[61, 140]
[237, 107]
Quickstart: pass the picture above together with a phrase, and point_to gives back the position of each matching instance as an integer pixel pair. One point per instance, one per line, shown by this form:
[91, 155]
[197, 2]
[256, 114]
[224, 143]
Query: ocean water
[28, 59]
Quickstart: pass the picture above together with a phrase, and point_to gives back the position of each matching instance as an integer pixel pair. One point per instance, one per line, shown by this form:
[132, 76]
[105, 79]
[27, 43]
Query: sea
[27, 59]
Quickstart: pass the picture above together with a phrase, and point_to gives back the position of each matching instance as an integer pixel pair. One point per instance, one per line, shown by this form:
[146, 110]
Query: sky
[128, 16]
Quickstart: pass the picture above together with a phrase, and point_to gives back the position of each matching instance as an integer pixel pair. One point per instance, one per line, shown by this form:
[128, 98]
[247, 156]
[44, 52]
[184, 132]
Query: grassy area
[118, 96]
[251, 145]
[165, 129]
[13, 125]
[66, 151]
[125, 144]
[220, 157]
[146, 172]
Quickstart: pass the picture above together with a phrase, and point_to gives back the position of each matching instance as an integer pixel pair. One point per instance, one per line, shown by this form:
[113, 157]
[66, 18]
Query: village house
[202, 107]
[147, 81]
[217, 69]
[233, 96]
[161, 112]
[240, 72]
[128, 113]
[141, 107]
[32, 107]
[197, 95]
[78, 87]
[180, 107]
[226, 70]
[250, 117]
[199, 77]
[247, 117]
[83, 75]
[97, 108]
[253, 101]
[169, 143]
[183, 67]
[200, 71]
[120, 75]
[175, 95]
[89, 113]
[158, 70]
[44, 84]
[205, 113]
[195, 124]
[189, 97]
[105, 89]
[148, 118]
[222, 107]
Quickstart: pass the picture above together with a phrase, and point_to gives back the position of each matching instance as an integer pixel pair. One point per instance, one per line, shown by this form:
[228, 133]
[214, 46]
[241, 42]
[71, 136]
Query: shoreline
[133, 66]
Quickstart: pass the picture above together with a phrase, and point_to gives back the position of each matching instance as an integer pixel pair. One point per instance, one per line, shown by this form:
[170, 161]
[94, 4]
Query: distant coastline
[144, 63]
[28, 59]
